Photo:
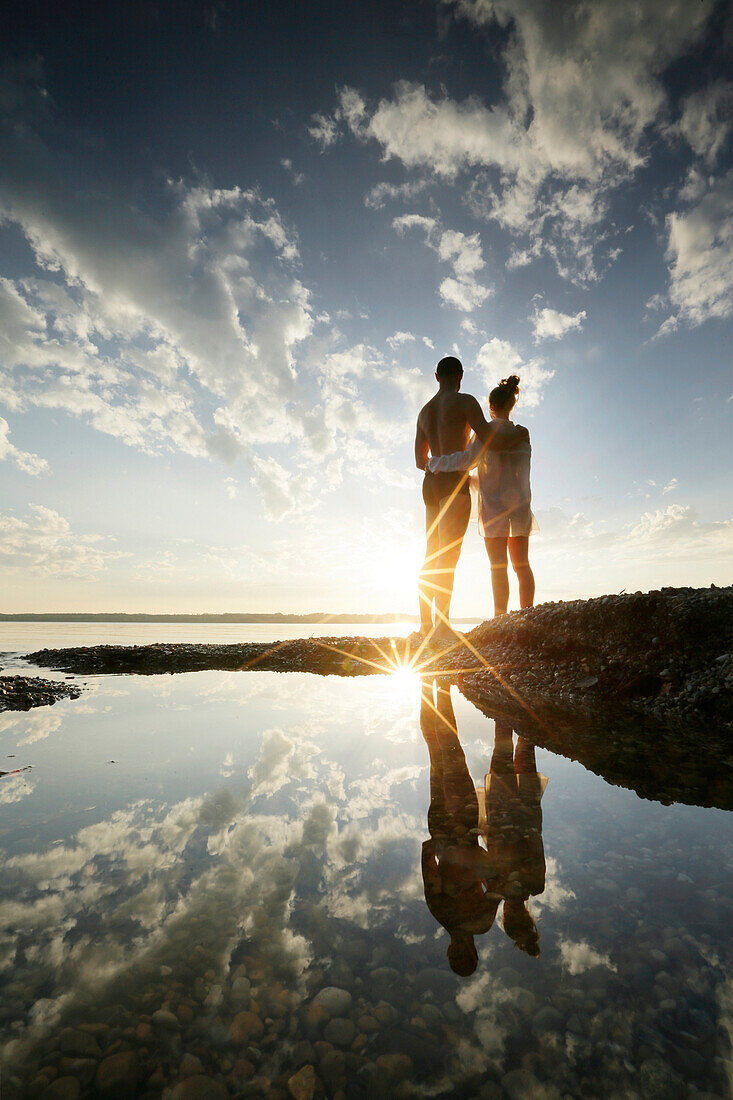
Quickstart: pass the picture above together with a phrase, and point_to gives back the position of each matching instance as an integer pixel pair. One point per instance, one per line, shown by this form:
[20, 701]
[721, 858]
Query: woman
[505, 516]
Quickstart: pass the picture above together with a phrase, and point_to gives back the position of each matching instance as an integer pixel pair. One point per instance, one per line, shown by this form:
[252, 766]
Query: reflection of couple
[465, 882]
[502, 451]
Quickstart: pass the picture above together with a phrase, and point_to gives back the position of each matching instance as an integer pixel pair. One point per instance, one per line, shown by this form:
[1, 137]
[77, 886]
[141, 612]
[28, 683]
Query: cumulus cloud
[550, 324]
[26, 461]
[700, 257]
[497, 359]
[45, 544]
[579, 957]
[283, 494]
[461, 290]
[582, 87]
[399, 338]
[178, 325]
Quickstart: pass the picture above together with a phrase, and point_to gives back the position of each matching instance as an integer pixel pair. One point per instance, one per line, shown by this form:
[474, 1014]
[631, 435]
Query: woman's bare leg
[496, 549]
[519, 553]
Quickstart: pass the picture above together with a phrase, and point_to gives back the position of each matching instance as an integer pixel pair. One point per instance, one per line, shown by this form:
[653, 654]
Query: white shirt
[504, 493]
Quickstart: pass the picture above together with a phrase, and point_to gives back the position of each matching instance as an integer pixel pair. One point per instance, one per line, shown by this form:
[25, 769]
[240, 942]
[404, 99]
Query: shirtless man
[444, 425]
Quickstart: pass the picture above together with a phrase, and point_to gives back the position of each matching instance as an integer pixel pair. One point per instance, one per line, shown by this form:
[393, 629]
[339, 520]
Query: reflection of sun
[405, 682]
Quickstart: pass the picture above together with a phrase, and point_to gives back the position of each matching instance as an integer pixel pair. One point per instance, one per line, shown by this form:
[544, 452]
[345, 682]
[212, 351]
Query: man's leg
[453, 522]
[496, 549]
[519, 553]
[427, 581]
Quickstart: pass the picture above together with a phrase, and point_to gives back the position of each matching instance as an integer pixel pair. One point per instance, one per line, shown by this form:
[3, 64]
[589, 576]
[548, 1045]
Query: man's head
[462, 953]
[449, 372]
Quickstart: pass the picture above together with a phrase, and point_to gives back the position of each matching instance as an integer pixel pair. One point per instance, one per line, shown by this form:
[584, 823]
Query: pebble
[340, 1031]
[398, 1067]
[302, 1085]
[63, 1088]
[190, 1066]
[117, 1075]
[165, 1019]
[519, 1084]
[79, 1043]
[199, 1088]
[337, 1002]
[245, 1027]
[547, 1019]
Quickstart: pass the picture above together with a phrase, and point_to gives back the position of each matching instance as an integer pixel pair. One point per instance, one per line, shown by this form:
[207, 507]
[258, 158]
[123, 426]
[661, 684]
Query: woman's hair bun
[510, 384]
[504, 395]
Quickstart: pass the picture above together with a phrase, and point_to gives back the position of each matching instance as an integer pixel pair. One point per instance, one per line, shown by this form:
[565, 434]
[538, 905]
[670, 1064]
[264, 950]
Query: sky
[235, 239]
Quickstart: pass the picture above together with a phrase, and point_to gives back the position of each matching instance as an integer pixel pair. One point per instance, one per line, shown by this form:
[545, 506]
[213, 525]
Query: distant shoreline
[276, 617]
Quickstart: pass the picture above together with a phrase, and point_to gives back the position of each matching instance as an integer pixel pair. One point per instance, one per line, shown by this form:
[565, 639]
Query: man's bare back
[444, 422]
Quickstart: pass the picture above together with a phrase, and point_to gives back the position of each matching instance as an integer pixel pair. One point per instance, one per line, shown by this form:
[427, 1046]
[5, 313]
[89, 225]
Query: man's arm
[422, 448]
[460, 460]
[494, 435]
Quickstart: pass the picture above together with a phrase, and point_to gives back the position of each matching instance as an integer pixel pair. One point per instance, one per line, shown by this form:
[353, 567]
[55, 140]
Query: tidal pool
[226, 878]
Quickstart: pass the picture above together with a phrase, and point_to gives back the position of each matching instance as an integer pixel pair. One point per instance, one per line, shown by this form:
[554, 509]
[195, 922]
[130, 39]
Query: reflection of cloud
[281, 760]
[555, 895]
[37, 725]
[578, 957]
[15, 787]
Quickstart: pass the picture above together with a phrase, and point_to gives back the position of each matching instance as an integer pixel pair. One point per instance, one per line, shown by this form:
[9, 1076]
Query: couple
[465, 882]
[502, 451]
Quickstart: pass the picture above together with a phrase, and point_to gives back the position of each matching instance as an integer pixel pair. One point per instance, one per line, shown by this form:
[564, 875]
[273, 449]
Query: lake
[26, 637]
[219, 883]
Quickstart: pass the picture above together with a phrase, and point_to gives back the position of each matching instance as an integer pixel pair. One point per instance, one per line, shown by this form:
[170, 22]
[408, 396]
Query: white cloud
[707, 118]
[498, 358]
[462, 252]
[324, 130]
[398, 338]
[582, 88]
[550, 324]
[287, 164]
[670, 486]
[231, 488]
[26, 461]
[46, 544]
[700, 257]
[579, 957]
[382, 193]
[283, 494]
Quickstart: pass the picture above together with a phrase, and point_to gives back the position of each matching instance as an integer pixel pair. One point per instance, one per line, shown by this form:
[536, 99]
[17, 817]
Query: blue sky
[234, 243]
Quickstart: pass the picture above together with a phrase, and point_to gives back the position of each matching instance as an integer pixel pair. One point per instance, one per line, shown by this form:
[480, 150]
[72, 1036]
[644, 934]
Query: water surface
[187, 849]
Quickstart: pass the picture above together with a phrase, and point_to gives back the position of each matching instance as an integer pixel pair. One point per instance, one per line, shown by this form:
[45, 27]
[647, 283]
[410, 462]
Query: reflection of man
[454, 865]
[513, 834]
[443, 427]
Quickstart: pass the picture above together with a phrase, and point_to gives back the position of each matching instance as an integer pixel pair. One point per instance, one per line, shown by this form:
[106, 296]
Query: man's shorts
[437, 487]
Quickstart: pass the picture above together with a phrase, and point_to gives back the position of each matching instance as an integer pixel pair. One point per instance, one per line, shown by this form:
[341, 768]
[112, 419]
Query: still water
[23, 637]
[214, 881]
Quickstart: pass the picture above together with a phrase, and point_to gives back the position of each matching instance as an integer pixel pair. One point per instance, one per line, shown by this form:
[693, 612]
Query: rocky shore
[26, 692]
[666, 654]
[637, 687]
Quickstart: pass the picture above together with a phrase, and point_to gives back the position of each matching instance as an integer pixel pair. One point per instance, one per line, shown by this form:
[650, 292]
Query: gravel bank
[26, 692]
[666, 654]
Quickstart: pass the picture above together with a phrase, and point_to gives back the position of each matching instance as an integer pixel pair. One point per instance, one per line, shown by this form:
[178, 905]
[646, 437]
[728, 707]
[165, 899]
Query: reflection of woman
[464, 882]
[454, 865]
[505, 516]
[513, 833]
